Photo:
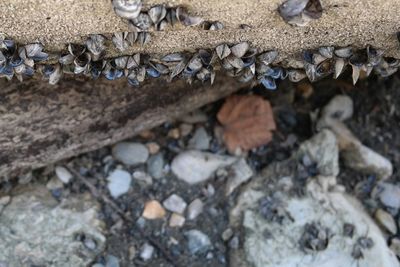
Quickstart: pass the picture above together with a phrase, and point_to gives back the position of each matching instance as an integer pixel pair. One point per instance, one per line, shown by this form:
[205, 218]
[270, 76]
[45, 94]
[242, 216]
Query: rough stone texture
[344, 22]
[37, 231]
[41, 124]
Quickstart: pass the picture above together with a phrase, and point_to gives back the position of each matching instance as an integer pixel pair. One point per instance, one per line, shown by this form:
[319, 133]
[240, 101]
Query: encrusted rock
[34, 228]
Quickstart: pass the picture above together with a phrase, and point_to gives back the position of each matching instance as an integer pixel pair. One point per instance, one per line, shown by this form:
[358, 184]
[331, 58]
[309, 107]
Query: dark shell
[269, 83]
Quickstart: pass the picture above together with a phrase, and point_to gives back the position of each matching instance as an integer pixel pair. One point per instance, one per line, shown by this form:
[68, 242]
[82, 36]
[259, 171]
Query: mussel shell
[157, 13]
[76, 49]
[268, 57]
[344, 52]
[296, 75]
[95, 45]
[326, 51]
[374, 55]
[235, 61]
[128, 9]
[114, 74]
[66, 59]
[174, 57]
[152, 72]
[16, 61]
[239, 50]
[268, 83]
[203, 75]
[187, 20]
[223, 51]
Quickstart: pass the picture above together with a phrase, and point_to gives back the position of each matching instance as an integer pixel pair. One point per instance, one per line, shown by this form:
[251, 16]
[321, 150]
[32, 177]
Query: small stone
[143, 177]
[130, 153]
[227, 234]
[386, 220]
[174, 133]
[112, 261]
[147, 252]
[176, 220]
[195, 208]
[90, 243]
[198, 242]
[395, 246]
[132, 252]
[388, 194]
[63, 174]
[196, 167]
[119, 183]
[153, 148]
[193, 117]
[54, 184]
[5, 200]
[153, 210]
[175, 203]
[242, 172]
[147, 134]
[234, 242]
[97, 265]
[209, 190]
[155, 166]
[200, 140]
[185, 129]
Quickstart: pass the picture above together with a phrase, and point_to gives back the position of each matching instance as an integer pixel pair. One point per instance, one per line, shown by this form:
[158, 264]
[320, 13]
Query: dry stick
[110, 202]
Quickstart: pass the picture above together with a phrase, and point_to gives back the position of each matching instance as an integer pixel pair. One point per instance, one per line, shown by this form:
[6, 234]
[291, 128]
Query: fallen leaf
[248, 122]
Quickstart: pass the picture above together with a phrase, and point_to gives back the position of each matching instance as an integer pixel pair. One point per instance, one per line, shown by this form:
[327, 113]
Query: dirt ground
[375, 123]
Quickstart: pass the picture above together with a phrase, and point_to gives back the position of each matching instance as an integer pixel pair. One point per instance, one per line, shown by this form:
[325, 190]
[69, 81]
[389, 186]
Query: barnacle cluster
[246, 63]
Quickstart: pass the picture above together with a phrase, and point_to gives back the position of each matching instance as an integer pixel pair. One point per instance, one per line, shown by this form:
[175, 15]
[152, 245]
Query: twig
[104, 198]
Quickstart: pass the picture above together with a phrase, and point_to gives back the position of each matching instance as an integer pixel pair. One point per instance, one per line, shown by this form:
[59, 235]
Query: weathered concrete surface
[344, 22]
[41, 124]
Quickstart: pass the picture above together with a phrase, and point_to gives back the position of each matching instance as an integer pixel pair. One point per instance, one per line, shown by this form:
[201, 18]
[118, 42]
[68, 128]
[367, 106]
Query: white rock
[388, 194]
[241, 173]
[130, 153]
[340, 107]
[200, 140]
[364, 159]
[63, 174]
[119, 183]
[196, 167]
[386, 220]
[323, 149]
[175, 203]
[195, 208]
[147, 252]
[331, 210]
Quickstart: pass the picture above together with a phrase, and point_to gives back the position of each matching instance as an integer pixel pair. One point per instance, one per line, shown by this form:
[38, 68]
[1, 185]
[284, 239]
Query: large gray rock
[37, 231]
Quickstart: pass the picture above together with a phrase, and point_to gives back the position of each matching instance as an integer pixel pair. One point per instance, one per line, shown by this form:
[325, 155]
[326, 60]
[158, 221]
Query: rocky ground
[175, 195]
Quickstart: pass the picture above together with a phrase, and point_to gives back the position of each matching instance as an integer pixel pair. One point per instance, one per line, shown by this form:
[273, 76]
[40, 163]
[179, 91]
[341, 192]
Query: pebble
[112, 261]
[175, 203]
[153, 148]
[147, 252]
[227, 234]
[119, 183]
[63, 174]
[185, 129]
[174, 133]
[388, 194]
[54, 183]
[142, 177]
[176, 220]
[395, 246]
[97, 265]
[234, 242]
[132, 252]
[147, 134]
[89, 243]
[200, 140]
[198, 242]
[130, 153]
[155, 166]
[195, 208]
[153, 210]
[386, 220]
[195, 166]
[241, 172]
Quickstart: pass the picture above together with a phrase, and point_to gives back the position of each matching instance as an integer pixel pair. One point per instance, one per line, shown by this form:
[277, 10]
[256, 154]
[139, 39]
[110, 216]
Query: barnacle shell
[268, 57]
[223, 51]
[187, 20]
[300, 12]
[95, 45]
[143, 22]
[128, 9]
